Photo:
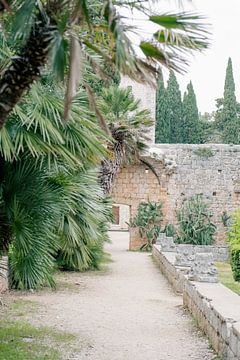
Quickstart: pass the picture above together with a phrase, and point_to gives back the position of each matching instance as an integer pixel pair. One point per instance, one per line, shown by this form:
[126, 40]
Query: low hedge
[235, 261]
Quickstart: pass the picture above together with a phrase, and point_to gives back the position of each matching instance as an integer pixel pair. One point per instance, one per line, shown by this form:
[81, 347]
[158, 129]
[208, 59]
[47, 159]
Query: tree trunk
[25, 68]
[110, 168]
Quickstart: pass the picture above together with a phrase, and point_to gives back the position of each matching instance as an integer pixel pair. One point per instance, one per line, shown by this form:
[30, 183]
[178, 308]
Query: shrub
[235, 261]
[234, 241]
[148, 219]
[194, 222]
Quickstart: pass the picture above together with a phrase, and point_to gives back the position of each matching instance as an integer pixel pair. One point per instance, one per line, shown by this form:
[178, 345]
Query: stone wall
[184, 171]
[134, 185]
[215, 308]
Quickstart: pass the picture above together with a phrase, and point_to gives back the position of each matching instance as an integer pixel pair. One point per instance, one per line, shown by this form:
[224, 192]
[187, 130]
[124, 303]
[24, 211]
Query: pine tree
[227, 118]
[191, 130]
[163, 131]
[173, 116]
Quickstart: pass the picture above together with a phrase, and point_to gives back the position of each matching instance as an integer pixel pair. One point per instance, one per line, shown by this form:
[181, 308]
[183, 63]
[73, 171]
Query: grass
[20, 340]
[20, 307]
[226, 277]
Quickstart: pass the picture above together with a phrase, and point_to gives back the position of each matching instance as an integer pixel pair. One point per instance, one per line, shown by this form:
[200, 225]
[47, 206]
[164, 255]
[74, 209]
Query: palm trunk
[110, 168]
[25, 68]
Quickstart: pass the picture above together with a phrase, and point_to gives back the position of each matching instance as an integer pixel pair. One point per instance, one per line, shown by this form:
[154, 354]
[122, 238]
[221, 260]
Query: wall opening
[121, 213]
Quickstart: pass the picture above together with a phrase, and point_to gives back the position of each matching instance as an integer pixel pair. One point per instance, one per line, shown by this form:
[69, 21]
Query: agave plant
[71, 32]
[194, 222]
[148, 221]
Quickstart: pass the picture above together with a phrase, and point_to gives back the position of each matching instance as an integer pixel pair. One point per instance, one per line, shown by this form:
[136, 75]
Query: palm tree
[128, 126]
[67, 31]
[51, 160]
[51, 206]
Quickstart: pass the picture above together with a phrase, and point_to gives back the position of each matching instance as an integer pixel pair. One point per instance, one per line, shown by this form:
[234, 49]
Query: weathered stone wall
[215, 308]
[183, 173]
[134, 185]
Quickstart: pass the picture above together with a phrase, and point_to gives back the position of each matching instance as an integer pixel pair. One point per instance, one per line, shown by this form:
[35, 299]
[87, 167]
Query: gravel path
[128, 312]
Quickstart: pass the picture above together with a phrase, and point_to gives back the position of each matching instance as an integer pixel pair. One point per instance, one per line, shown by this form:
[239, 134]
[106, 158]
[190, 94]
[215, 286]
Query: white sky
[207, 70]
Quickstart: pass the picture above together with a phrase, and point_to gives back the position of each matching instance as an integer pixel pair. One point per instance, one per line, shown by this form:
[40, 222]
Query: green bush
[148, 219]
[194, 223]
[234, 241]
[235, 261]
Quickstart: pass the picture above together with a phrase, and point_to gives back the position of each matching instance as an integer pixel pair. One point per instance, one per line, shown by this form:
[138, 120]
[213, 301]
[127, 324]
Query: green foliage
[101, 32]
[235, 261]
[21, 341]
[128, 124]
[234, 241]
[191, 127]
[129, 129]
[173, 118]
[177, 121]
[225, 219]
[52, 160]
[204, 152]
[234, 233]
[50, 215]
[51, 205]
[162, 131]
[227, 117]
[169, 230]
[111, 78]
[194, 223]
[147, 220]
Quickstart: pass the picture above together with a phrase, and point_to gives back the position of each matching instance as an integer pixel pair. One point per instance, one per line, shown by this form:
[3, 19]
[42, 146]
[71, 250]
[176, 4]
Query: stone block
[235, 336]
[166, 242]
[185, 255]
[203, 269]
[233, 342]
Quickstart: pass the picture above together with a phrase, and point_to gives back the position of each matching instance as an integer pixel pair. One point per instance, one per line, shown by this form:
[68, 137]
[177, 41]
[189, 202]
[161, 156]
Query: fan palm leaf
[129, 127]
[98, 28]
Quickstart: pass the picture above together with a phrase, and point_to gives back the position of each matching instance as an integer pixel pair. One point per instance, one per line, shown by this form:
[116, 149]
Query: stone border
[220, 252]
[3, 274]
[215, 307]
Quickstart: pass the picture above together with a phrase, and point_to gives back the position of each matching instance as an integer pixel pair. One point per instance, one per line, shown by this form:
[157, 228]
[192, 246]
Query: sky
[207, 70]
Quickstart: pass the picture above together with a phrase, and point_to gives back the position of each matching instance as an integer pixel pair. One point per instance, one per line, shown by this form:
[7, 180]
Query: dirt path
[128, 312]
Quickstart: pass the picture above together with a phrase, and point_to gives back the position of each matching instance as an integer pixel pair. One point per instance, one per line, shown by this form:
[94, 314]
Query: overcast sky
[207, 71]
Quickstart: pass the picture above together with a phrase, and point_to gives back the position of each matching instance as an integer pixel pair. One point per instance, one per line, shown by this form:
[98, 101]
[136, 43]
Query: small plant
[203, 152]
[235, 261]
[169, 230]
[194, 221]
[234, 241]
[225, 219]
[148, 218]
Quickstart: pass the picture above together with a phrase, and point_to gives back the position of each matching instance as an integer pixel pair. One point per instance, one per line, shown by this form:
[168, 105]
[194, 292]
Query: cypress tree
[162, 131]
[227, 115]
[191, 131]
[173, 116]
